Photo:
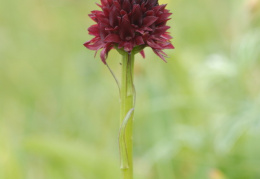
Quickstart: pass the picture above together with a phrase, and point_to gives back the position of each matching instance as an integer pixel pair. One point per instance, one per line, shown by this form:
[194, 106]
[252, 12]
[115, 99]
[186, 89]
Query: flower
[128, 25]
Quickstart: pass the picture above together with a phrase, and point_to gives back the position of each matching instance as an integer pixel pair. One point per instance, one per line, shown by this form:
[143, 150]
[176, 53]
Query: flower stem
[127, 96]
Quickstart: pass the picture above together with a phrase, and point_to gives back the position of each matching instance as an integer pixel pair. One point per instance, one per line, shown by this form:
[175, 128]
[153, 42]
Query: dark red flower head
[130, 24]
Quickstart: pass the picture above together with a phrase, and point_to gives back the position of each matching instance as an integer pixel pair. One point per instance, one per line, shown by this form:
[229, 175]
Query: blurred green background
[197, 117]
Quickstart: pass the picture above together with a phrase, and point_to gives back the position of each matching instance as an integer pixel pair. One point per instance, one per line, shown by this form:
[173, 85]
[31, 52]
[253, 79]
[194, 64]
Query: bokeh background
[197, 116]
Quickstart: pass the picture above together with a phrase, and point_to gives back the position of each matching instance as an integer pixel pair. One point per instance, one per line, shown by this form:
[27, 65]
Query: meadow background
[197, 117]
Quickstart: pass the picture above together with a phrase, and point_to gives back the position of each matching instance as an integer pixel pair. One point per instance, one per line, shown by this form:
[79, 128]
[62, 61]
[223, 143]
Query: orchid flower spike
[128, 25]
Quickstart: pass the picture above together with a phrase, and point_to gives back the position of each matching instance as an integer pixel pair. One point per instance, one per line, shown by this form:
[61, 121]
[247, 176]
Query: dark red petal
[162, 40]
[159, 8]
[149, 13]
[169, 46]
[126, 5]
[163, 17]
[152, 3]
[112, 38]
[143, 7]
[123, 13]
[94, 14]
[139, 40]
[160, 53]
[110, 2]
[103, 56]
[149, 20]
[102, 19]
[154, 45]
[166, 36]
[106, 11]
[93, 30]
[137, 15]
[94, 44]
[102, 31]
[99, 5]
[104, 52]
[160, 30]
[104, 3]
[125, 29]
[93, 17]
[113, 14]
[142, 53]
[117, 4]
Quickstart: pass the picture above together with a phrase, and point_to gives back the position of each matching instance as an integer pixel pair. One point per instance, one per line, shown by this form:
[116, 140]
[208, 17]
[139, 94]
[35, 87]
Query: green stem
[126, 116]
